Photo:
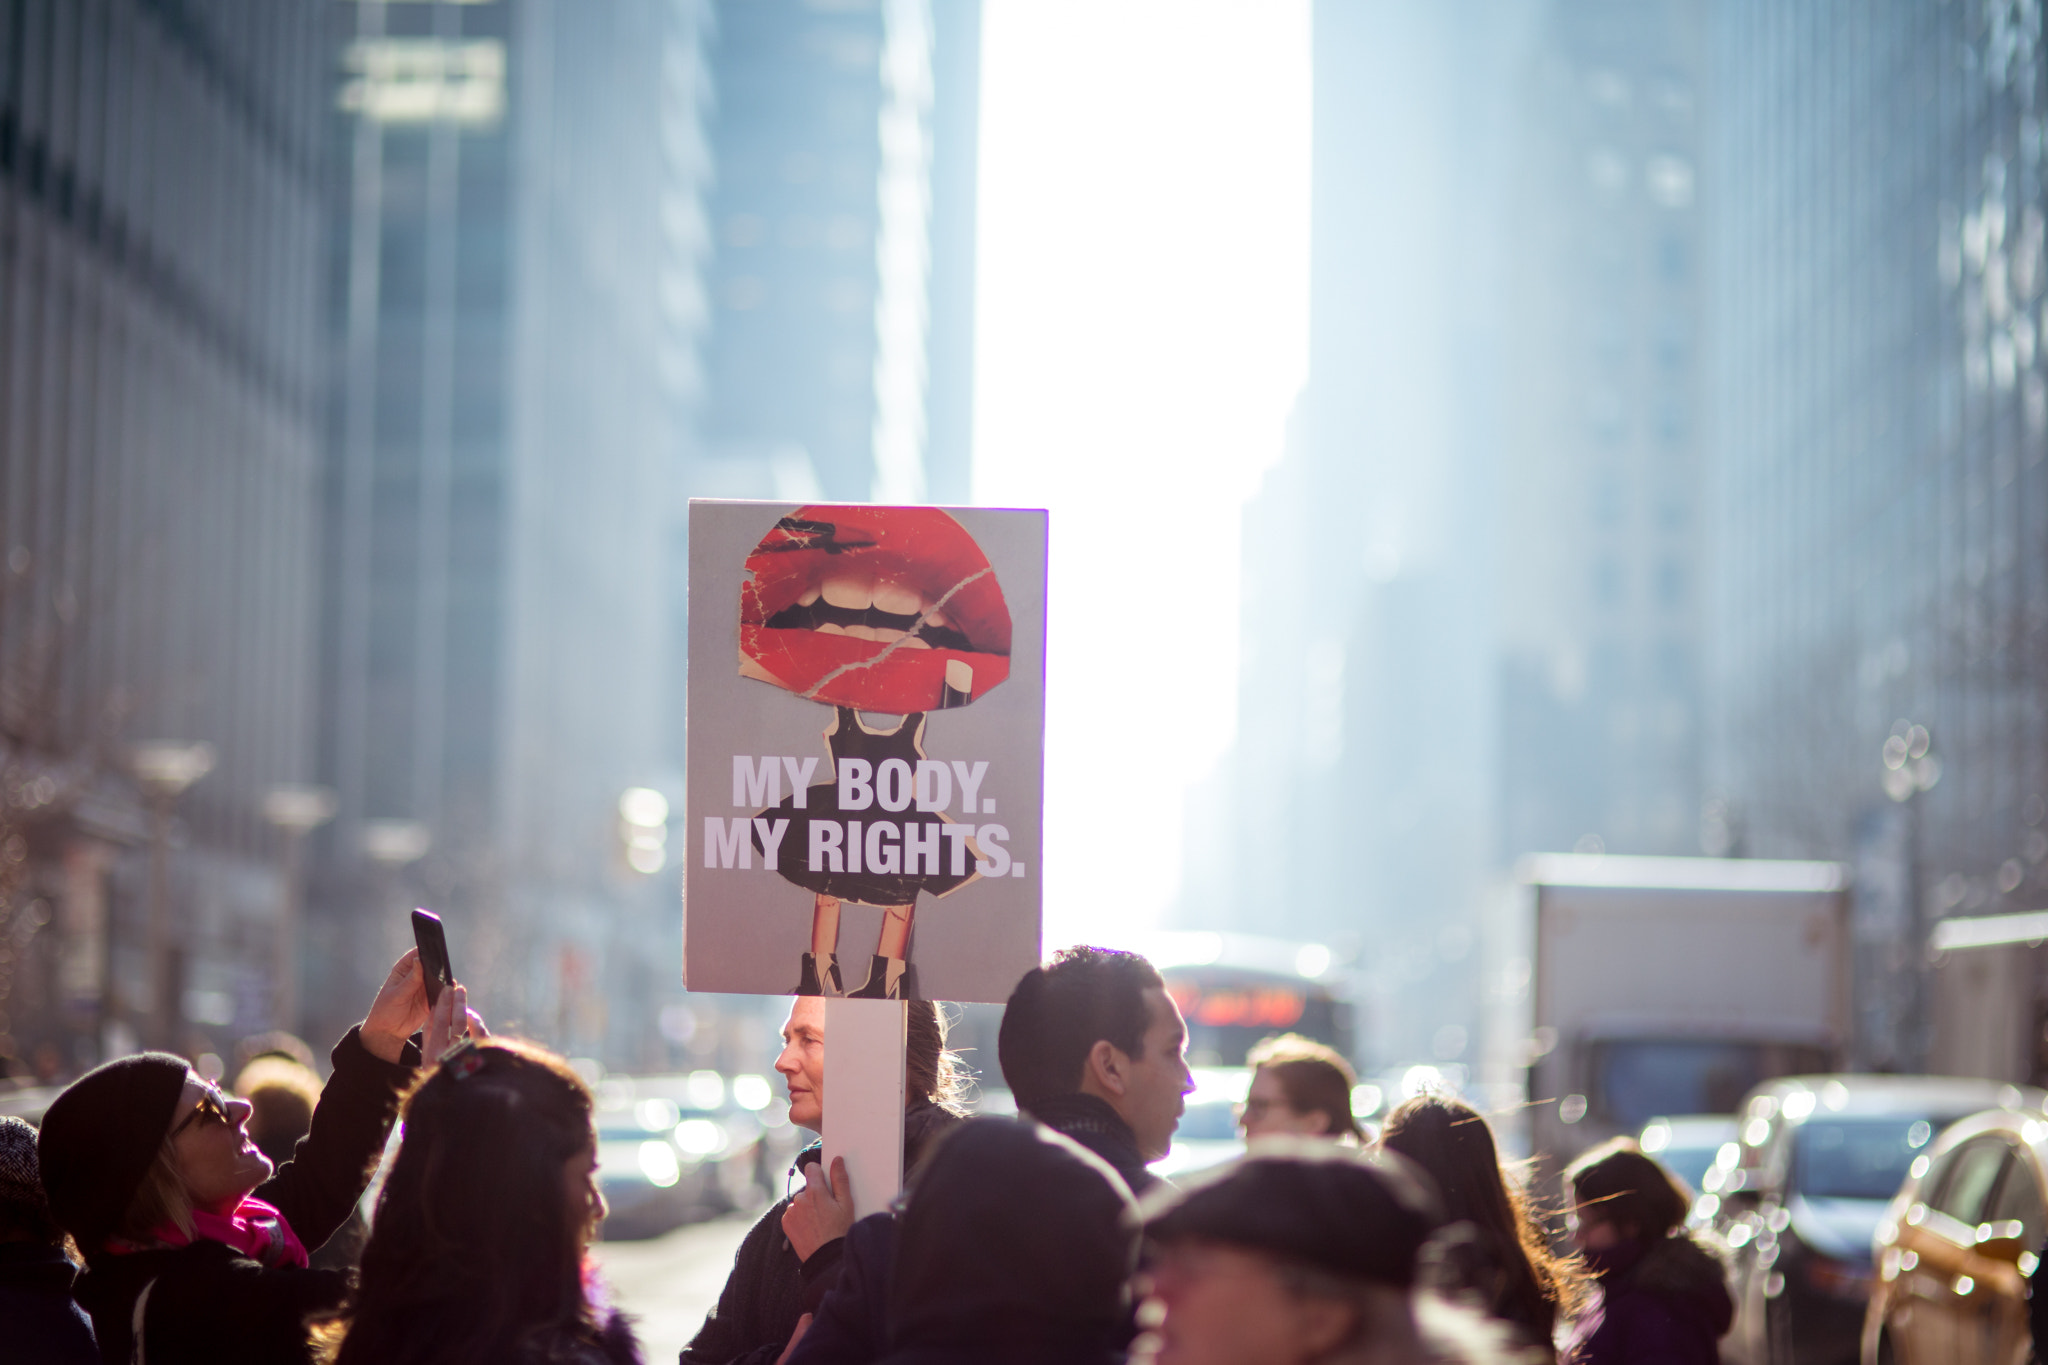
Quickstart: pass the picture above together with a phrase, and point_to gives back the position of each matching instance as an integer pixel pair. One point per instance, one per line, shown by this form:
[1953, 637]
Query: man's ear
[1323, 1325]
[1106, 1071]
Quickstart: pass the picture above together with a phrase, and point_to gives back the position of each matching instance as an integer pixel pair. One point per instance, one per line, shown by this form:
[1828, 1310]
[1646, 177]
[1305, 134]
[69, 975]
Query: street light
[165, 768]
[295, 811]
[393, 844]
[643, 817]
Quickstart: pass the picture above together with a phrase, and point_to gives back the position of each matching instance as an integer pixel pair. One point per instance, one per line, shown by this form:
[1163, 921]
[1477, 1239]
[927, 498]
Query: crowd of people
[155, 1218]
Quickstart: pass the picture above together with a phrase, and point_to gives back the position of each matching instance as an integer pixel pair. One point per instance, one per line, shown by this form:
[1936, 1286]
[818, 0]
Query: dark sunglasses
[212, 1108]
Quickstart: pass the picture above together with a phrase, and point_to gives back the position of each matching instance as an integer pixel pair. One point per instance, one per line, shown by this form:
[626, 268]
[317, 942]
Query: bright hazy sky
[1142, 333]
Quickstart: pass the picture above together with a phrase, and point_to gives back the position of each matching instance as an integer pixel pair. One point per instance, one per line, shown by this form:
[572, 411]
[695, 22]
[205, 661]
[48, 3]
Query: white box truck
[1627, 988]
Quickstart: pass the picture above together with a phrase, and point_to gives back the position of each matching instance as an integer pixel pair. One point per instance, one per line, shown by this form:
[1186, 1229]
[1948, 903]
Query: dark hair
[473, 1255]
[930, 1070]
[30, 1223]
[1060, 1011]
[1615, 1183]
[1315, 1078]
[1529, 1283]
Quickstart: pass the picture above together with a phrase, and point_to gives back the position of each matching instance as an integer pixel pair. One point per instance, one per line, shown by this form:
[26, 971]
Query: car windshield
[1689, 1164]
[1639, 1079]
[1858, 1158]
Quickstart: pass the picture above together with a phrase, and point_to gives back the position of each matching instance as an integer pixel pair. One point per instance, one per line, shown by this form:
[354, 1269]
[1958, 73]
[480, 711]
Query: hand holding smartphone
[433, 946]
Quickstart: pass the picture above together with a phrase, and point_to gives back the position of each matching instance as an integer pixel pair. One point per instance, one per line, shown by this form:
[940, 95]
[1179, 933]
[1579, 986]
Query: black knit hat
[20, 1184]
[100, 1137]
[1359, 1216]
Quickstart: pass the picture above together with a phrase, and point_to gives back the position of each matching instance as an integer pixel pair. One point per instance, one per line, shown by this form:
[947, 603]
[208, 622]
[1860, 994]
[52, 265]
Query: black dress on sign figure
[855, 878]
[850, 737]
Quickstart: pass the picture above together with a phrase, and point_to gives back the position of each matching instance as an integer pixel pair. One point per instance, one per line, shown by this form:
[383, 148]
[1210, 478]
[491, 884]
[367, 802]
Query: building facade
[1354, 808]
[840, 358]
[516, 307]
[162, 387]
[1600, 478]
[1879, 610]
[1492, 482]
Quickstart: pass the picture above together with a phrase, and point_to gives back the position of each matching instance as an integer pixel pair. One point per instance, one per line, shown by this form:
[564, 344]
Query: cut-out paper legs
[886, 974]
[821, 964]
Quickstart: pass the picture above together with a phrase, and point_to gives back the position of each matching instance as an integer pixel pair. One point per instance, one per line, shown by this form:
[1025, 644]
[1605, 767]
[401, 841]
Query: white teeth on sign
[810, 596]
[861, 632]
[897, 599]
[831, 628]
[854, 594]
[936, 618]
[888, 634]
[915, 642]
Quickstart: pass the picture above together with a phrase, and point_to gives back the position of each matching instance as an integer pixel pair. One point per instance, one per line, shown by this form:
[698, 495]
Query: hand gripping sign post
[866, 725]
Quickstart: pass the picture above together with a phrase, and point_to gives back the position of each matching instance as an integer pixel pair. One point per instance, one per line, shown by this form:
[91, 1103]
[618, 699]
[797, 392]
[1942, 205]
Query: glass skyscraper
[162, 385]
[1599, 474]
[840, 357]
[1879, 502]
[516, 313]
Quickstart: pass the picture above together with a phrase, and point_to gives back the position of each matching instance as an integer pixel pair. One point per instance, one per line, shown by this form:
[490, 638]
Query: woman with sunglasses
[195, 1249]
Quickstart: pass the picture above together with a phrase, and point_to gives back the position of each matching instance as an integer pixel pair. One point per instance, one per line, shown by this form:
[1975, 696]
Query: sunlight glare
[1142, 328]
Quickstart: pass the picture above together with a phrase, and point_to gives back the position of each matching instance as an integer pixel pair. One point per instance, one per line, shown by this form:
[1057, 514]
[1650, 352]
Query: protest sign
[866, 729]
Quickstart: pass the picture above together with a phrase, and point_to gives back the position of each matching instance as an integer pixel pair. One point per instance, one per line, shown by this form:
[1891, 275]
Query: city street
[669, 1283]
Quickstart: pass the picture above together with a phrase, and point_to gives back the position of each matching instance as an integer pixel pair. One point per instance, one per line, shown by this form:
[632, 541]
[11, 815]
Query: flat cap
[1356, 1215]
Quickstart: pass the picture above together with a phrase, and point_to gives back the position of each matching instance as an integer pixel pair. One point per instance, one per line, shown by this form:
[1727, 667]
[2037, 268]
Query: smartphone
[433, 945]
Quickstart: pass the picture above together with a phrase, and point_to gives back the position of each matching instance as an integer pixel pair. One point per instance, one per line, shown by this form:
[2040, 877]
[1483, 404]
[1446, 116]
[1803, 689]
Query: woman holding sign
[791, 1257]
[893, 610]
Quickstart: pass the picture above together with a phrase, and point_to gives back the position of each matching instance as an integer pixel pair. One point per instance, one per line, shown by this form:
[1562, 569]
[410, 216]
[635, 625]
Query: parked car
[1688, 1144]
[1800, 1198]
[671, 1149]
[1958, 1246]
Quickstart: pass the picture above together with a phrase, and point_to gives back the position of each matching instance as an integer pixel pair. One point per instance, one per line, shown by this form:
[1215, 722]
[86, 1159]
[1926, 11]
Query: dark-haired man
[1092, 1046]
[791, 1257]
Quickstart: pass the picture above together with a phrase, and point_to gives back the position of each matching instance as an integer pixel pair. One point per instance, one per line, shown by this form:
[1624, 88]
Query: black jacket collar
[1090, 1121]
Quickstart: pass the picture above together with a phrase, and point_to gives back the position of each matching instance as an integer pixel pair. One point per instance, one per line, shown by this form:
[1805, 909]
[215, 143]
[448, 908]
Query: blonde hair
[931, 1070]
[161, 1198]
[1314, 1077]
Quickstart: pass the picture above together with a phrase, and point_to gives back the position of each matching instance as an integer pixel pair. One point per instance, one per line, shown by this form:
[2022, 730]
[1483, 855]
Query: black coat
[1669, 1307]
[614, 1345]
[770, 1287]
[851, 1323]
[1015, 1246]
[209, 1302]
[41, 1323]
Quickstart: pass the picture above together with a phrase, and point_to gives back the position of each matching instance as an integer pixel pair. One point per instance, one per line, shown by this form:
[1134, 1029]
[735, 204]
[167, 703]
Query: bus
[1236, 989]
